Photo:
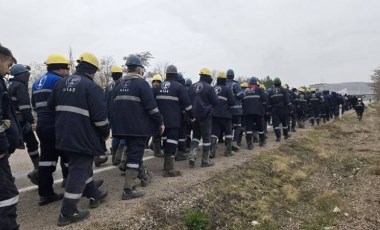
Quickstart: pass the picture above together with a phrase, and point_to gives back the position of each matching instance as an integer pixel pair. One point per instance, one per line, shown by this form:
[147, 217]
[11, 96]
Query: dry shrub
[291, 193]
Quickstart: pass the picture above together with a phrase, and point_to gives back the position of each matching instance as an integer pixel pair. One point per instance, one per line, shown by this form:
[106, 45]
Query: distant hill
[353, 88]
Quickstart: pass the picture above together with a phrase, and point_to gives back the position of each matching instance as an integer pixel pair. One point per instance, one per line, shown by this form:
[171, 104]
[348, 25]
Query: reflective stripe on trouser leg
[236, 124]
[80, 170]
[172, 141]
[48, 160]
[276, 124]
[205, 128]
[135, 152]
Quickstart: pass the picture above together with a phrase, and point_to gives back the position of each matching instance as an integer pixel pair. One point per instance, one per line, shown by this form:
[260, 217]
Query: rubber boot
[206, 162]
[130, 191]
[193, 156]
[99, 160]
[262, 139]
[33, 175]
[228, 151]
[286, 133]
[144, 176]
[169, 167]
[181, 156]
[119, 153]
[213, 147]
[113, 154]
[157, 148]
[235, 146]
[248, 139]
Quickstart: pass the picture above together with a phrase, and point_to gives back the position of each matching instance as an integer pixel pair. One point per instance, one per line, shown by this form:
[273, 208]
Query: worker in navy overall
[172, 99]
[156, 140]
[243, 86]
[188, 127]
[137, 117]
[279, 102]
[116, 74]
[58, 67]
[10, 134]
[203, 99]
[359, 108]
[81, 128]
[222, 115]
[315, 106]
[301, 107]
[253, 107]
[237, 110]
[18, 90]
[182, 149]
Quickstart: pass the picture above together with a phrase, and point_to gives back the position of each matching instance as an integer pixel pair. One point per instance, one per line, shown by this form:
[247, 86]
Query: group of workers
[74, 118]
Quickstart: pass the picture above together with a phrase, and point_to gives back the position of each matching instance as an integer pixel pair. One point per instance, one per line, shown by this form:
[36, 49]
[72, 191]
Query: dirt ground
[325, 177]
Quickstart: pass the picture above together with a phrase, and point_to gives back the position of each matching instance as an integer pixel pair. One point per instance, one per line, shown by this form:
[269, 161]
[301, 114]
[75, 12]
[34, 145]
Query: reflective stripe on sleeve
[89, 180]
[33, 153]
[153, 111]
[164, 97]
[41, 104]
[24, 107]
[72, 109]
[42, 91]
[252, 96]
[222, 98]
[127, 97]
[188, 107]
[2, 129]
[236, 107]
[101, 123]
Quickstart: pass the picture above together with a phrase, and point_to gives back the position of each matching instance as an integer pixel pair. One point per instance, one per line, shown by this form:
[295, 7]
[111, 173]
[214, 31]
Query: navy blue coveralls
[279, 102]
[237, 109]
[81, 126]
[41, 91]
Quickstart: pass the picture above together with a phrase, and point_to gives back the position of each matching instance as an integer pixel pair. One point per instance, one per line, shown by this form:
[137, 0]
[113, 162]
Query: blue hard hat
[253, 80]
[231, 73]
[19, 68]
[188, 82]
[133, 60]
[180, 77]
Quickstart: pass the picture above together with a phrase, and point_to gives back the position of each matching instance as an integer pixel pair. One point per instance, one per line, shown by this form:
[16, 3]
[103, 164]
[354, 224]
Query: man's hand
[162, 129]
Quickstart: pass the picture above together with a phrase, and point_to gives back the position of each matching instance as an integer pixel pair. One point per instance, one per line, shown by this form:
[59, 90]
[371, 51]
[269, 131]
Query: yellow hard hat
[116, 69]
[156, 77]
[286, 86]
[244, 85]
[205, 71]
[302, 90]
[89, 58]
[222, 75]
[313, 89]
[57, 59]
[262, 87]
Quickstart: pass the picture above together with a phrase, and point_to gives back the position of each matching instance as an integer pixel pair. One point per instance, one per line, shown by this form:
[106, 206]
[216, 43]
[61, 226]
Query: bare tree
[375, 77]
[103, 76]
[71, 59]
[36, 71]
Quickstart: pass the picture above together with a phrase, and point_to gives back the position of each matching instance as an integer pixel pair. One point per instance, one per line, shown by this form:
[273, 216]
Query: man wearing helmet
[81, 128]
[18, 90]
[279, 103]
[58, 67]
[359, 108]
[133, 99]
[9, 135]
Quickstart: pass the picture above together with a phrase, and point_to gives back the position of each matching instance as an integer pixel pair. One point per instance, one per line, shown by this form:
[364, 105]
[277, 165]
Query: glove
[6, 124]
[26, 128]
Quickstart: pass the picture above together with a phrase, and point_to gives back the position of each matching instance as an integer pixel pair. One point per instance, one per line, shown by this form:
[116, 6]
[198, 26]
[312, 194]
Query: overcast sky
[300, 41]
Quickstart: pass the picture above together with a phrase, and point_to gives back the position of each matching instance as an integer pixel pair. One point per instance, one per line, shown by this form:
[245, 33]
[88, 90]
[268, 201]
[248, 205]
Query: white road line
[96, 171]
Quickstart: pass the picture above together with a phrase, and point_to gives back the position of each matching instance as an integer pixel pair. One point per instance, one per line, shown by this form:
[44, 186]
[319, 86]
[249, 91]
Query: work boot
[287, 136]
[113, 154]
[95, 202]
[235, 146]
[213, 147]
[169, 167]
[193, 156]
[248, 139]
[157, 148]
[144, 176]
[278, 139]
[180, 156]
[123, 163]
[228, 151]
[206, 162]
[44, 200]
[33, 175]
[130, 191]
[99, 160]
[119, 154]
[77, 216]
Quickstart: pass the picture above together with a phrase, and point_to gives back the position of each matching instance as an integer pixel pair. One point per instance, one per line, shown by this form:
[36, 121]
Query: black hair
[5, 52]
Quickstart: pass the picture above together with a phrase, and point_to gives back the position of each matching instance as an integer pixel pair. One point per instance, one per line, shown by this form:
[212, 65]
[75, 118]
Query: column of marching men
[75, 116]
